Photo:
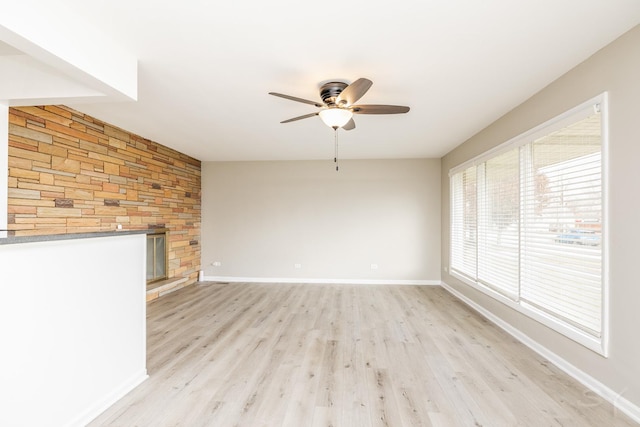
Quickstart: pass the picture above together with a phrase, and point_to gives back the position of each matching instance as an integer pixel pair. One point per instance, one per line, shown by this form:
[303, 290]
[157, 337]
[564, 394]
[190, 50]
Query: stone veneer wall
[69, 172]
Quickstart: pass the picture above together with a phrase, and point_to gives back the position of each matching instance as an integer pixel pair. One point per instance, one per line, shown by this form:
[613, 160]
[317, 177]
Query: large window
[527, 224]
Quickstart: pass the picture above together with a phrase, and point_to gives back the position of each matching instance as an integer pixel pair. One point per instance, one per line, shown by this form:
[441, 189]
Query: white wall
[73, 328]
[259, 219]
[615, 69]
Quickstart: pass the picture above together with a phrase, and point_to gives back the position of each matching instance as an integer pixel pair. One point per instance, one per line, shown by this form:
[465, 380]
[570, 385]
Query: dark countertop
[11, 239]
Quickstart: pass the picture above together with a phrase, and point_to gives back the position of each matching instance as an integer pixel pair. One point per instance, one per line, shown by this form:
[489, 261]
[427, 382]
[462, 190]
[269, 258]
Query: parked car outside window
[579, 237]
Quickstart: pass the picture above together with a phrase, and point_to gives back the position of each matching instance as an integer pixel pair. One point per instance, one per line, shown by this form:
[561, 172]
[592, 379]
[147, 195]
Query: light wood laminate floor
[343, 356]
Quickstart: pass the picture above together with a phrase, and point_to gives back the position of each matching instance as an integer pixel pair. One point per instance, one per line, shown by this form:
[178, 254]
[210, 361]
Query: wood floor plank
[343, 356]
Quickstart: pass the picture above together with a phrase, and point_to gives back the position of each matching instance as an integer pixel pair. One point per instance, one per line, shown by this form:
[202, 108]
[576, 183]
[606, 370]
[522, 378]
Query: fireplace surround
[157, 263]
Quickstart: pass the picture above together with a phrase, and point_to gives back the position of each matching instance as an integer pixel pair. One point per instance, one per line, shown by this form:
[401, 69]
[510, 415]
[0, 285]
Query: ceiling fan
[339, 104]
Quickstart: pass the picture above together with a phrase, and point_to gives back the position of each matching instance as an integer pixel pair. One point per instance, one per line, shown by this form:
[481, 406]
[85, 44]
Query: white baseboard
[615, 398]
[101, 405]
[232, 279]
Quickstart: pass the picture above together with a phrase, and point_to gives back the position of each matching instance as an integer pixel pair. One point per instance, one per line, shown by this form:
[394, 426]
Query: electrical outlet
[374, 266]
[297, 265]
[216, 264]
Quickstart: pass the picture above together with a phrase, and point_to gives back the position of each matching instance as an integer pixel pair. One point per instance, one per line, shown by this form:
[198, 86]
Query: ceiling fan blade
[354, 91]
[350, 125]
[379, 109]
[306, 116]
[293, 98]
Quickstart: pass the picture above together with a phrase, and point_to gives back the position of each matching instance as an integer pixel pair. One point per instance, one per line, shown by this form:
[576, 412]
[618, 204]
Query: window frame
[600, 344]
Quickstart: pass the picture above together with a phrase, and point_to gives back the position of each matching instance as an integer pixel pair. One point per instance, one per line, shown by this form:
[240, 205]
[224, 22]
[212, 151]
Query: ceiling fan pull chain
[335, 157]
[335, 145]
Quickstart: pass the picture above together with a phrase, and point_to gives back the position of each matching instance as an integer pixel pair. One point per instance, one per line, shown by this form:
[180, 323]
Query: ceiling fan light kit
[335, 117]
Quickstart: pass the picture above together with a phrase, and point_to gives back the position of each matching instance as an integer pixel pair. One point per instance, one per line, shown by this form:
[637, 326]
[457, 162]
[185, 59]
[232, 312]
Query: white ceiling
[205, 68]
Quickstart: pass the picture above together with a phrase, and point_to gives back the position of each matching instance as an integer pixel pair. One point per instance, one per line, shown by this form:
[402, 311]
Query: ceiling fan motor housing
[330, 91]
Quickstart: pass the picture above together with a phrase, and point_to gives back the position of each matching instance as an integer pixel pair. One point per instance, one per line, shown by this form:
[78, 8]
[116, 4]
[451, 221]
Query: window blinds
[498, 223]
[562, 234]
[464, 224]
[526, 221]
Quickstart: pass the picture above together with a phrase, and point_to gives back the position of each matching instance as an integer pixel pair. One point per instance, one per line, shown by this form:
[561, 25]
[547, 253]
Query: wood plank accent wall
[69, 172]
